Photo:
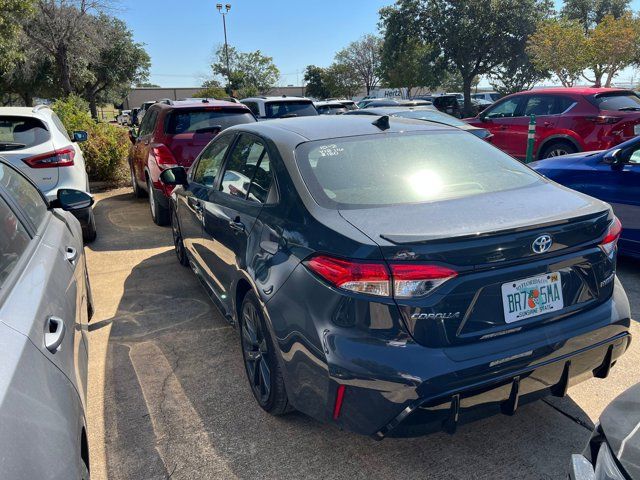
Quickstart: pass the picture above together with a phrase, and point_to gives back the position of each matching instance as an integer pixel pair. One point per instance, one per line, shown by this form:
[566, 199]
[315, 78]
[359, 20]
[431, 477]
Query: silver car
[45, 305]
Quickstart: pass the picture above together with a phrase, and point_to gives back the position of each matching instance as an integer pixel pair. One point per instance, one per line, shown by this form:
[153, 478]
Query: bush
[105, 152]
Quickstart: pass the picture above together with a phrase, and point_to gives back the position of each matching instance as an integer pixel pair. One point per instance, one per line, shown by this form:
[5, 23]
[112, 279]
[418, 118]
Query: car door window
[262, 180]
[634, 158]
[211, 160]
[13, 240]
[539, 105]
[505, 109]
[148, 122]
[24, 193]
[60, 126]
[242, 165]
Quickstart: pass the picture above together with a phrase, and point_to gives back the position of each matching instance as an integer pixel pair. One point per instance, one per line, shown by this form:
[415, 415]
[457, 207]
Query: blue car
[611, 175]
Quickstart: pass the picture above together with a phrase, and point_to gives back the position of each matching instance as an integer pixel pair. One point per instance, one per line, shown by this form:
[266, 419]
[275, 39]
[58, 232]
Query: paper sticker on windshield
[330, 150]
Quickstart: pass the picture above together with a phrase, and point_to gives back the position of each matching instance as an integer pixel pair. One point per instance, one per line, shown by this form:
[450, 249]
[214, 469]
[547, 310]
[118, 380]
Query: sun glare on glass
[426, 183]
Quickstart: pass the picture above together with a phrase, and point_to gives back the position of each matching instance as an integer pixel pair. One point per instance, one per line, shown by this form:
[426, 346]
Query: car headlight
[606, 466]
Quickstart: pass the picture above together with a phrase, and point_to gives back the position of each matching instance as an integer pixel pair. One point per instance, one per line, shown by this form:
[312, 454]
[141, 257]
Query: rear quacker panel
[469, 308]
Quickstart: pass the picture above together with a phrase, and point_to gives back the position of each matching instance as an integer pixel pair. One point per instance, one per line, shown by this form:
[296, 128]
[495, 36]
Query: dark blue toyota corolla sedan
[398, 277]
[610, 175]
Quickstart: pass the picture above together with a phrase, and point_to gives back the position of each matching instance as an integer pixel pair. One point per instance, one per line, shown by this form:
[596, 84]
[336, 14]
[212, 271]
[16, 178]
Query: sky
[181, 35]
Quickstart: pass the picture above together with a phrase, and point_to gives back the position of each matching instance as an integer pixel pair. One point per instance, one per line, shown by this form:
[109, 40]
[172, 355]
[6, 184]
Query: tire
[557, 148]
[137, 191]
[261, 365]
[159, 213]
[89, 232]
[178, 244]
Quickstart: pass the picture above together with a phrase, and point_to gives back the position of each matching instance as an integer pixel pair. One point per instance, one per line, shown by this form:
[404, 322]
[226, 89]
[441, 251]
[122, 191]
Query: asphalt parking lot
[168, 396]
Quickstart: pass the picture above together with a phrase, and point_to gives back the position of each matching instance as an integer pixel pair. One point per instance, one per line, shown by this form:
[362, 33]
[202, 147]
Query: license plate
[636, 129]
[532, 297]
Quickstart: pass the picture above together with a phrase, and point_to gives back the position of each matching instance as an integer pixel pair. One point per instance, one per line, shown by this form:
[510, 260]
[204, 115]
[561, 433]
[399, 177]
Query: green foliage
[105, 152]
[12, 12]
[251, 73]
[363, 58]
[590, 13]
[314, 78]
[341, 81]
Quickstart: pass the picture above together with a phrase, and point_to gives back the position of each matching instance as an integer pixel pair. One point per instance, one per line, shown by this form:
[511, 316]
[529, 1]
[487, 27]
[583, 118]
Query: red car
[568, 120]
[173, 134]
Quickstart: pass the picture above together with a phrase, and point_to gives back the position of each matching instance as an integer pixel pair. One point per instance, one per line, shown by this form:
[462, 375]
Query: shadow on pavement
[177, 405]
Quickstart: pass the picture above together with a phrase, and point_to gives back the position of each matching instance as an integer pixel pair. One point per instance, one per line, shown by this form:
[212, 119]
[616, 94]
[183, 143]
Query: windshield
[203, 120]
[21, 132]
[434, 115]
[401, 168]
[617, 101]
[331, 109]
[290, 109]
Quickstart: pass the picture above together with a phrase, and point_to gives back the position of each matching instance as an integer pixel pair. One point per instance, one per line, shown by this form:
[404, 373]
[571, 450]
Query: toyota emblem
[542, 244]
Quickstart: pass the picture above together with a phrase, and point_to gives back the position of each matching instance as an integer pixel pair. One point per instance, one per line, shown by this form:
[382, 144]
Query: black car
[613, 452]
[395, 276]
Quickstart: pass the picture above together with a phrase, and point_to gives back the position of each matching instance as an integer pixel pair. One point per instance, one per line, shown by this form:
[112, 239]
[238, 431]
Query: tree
[477, 36]
[250, 73]
[120, 63]
[314, 78]
[363, 57]
[559, 46]
[146, 85]
[341, 81]
[65, 30]
[406, 60]
[590, 13]
[516, 74]
[211, 89]
[12, 13]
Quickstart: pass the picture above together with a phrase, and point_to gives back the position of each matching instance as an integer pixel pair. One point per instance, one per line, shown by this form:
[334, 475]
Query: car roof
[274, 98]
[574, 90]
[328, 126]
[325, 103]
[24, 111]
[392, 110]
[191, 104]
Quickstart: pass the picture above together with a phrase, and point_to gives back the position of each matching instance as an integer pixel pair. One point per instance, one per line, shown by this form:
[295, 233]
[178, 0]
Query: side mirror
[70, 199]
[174, 176]
[613, 157]
[79, 136]
[132, 135]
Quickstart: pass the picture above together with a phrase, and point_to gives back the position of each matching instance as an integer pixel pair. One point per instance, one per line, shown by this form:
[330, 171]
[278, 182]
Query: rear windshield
[350, 105]
[620, 101]
[331, 108]
[203, 121]
[435, 116]
[289, 109]
[400, 168]
[21, 132]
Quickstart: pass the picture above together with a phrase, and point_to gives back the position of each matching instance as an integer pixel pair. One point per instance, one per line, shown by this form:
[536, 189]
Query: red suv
[173, 134]
[568, 120]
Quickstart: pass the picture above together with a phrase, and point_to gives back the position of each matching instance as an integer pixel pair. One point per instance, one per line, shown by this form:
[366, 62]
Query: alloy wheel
[152, 201]
[255, 353]
[556, 152]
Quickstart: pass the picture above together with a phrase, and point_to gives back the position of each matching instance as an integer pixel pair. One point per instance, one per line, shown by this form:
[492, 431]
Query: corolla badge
[542, 244]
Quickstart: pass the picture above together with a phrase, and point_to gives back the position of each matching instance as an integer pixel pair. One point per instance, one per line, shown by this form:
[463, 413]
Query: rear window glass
[620, 101]
[204, 121]
[13, 240]
[404, 168]
[432, 115]
[323, 109]
[289, 109]
[21, 132]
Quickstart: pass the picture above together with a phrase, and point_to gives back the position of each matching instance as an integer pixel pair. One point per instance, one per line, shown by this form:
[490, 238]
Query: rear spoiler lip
[405, 239]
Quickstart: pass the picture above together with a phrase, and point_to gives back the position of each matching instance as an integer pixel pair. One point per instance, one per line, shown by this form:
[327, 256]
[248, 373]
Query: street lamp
[227, 7]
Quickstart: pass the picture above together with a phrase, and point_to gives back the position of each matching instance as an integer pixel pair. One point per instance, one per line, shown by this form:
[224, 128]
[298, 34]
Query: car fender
[566, 135]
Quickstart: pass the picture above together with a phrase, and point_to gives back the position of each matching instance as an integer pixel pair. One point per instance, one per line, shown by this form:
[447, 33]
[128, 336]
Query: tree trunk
[466, 91]
[64, 70]
[93, 107]
[368, 89]
[27, 98]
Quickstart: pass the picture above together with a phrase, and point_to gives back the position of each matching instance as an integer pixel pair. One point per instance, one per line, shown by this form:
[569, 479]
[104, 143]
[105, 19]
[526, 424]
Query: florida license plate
[636, 129]
[532, 297]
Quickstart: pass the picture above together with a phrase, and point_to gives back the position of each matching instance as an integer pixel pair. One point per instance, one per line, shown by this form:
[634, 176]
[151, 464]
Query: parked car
[613, 452]
[425, 113]
[445, 103]
[174, 134]
[487, 96]
[124, 118]
[364, 102]
[397, 277]
[379, 102]
[349, 104]
[611, 175]
[268, 108]
[45, 304]
[568, 120]
[35, 141]
[330, 107]
[143, 110]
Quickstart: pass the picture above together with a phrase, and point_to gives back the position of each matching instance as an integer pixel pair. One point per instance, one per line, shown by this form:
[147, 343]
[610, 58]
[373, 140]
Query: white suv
[35, 141]
[280, 107]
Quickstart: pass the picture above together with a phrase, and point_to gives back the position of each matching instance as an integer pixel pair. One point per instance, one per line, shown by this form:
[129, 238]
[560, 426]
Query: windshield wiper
[628, 109]
[11, 145]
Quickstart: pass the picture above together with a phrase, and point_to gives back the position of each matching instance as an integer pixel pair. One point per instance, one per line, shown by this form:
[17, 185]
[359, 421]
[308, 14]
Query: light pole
[227, 7]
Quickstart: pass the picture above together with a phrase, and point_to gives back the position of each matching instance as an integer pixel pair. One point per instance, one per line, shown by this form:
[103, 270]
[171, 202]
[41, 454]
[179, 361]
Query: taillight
[604, 119]
[57, 158]
[361, 277]
[411, 280]
[610, 240]
[163, 155]
[406, 280]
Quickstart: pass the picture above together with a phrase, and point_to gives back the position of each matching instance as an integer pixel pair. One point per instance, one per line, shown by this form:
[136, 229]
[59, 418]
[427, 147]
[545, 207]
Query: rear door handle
[54, 331]
[237, 225]
[71, 254]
